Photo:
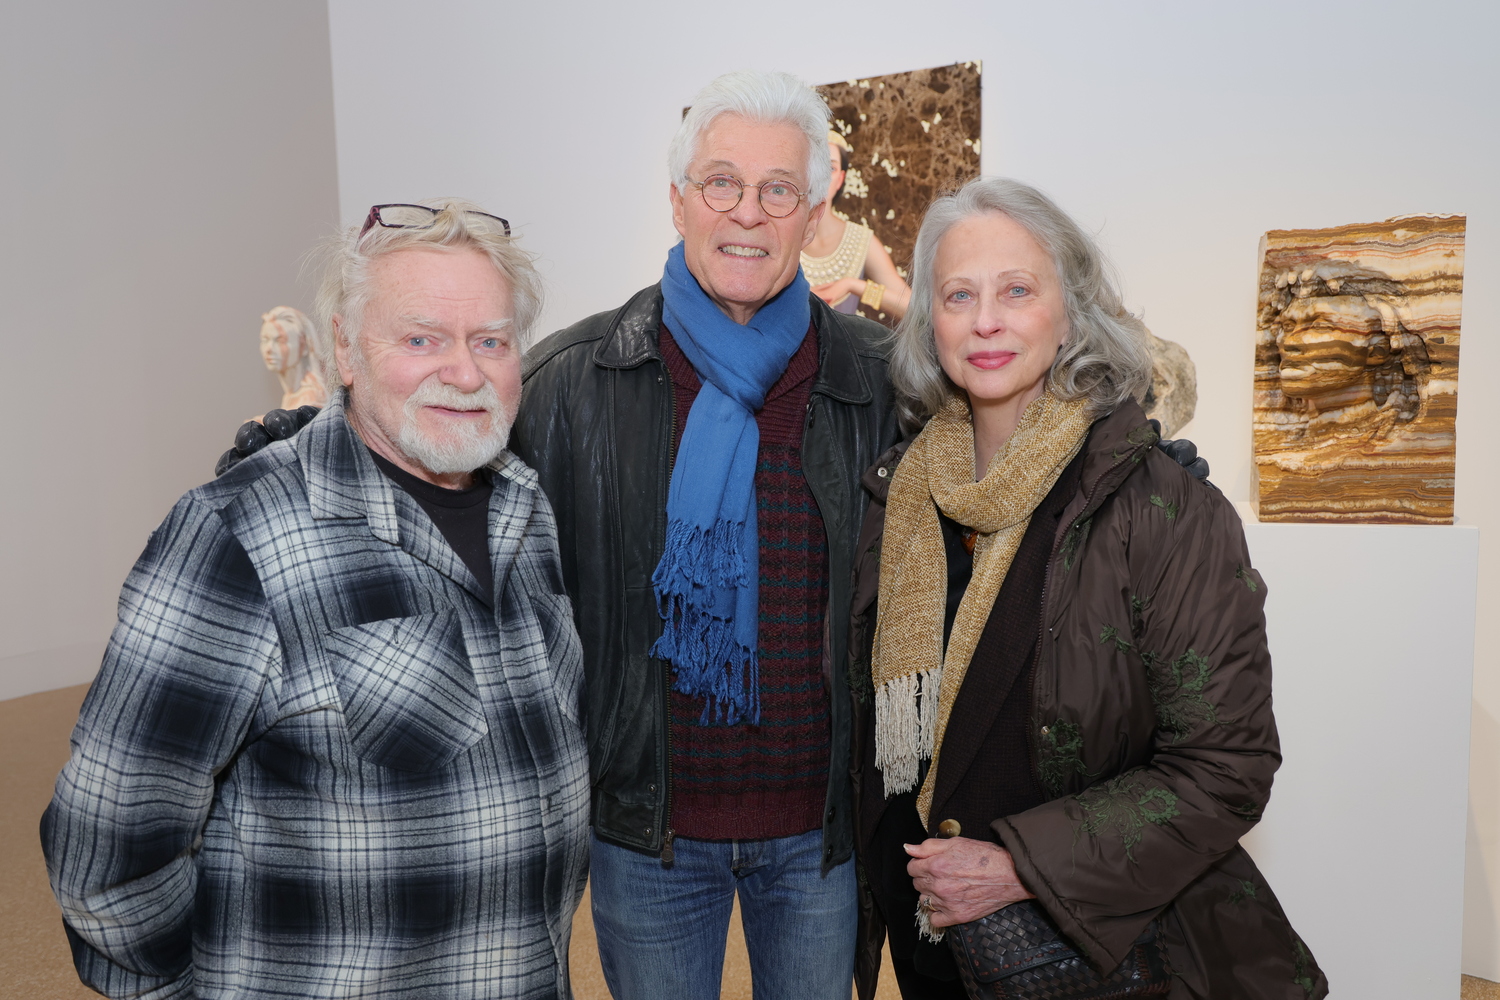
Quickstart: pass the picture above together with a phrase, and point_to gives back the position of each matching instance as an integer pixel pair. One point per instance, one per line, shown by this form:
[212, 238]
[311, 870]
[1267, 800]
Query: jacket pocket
[408, 692]
[554, 614]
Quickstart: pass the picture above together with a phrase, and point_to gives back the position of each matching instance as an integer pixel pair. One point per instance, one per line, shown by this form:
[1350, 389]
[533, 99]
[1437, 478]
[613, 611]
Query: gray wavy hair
[345, 260]
[766, 98]
[1104, 356]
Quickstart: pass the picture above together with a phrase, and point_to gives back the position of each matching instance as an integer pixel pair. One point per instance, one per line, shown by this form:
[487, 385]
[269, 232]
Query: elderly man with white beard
[335, 744]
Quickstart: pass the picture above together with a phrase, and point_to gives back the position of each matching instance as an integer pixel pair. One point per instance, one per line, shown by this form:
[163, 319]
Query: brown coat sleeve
[1166, 560]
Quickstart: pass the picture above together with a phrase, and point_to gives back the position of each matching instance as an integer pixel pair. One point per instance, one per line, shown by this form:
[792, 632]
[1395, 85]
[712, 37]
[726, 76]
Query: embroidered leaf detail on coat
[861, 685]
[1073, 541]
[1177, 690]
[1249, 811]
[1248, 579]
[1059, 755]
[1302, 967]
[1111, 634]
[1142, 438]
[1169, 507]
[1138, 607]
[1122, 806]
[1246, 890]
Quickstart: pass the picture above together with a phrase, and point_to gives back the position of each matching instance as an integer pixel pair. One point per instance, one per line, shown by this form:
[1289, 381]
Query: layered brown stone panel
[1356, 372]
[915, 137]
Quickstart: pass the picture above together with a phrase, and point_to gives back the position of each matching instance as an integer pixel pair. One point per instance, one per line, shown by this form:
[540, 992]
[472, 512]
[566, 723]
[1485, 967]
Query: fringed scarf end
[710, 663]
[905, 727]
[925, 928]
[696, 556]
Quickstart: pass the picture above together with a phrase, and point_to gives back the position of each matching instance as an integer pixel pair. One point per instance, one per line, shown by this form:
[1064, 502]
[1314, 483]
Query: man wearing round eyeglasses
[702, 446]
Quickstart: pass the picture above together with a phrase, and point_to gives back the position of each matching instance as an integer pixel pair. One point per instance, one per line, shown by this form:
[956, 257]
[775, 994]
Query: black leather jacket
[595, 422]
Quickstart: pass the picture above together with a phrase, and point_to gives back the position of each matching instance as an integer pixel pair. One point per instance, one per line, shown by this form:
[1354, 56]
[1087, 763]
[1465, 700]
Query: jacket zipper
[667, 854]
[807, 426]
[1088, 510]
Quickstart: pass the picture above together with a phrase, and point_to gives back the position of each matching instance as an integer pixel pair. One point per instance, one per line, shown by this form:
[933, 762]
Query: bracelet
[874, 292]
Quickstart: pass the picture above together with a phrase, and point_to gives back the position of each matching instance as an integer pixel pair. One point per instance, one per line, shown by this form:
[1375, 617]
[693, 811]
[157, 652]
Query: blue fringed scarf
[708, 581]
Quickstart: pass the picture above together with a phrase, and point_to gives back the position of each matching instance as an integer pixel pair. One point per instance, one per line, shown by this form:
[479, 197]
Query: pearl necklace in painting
[846, 261]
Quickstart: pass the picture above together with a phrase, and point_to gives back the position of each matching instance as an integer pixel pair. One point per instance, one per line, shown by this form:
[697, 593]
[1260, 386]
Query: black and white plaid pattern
[315, 763]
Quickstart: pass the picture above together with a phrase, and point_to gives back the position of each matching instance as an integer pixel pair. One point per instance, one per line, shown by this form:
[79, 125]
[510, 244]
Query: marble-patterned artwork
[915, 136]
[1356, 372]
[1172, 397]
[289, 347]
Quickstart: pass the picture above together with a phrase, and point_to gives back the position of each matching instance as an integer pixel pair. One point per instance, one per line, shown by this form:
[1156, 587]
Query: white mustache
[464, 446]
[436, 392]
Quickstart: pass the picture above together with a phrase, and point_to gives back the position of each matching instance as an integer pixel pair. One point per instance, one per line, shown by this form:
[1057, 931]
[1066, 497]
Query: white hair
[1104, 358]
[766, 98]
[346, 258]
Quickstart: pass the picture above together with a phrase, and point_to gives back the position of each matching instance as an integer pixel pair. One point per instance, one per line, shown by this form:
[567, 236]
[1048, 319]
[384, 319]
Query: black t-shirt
[463, 516]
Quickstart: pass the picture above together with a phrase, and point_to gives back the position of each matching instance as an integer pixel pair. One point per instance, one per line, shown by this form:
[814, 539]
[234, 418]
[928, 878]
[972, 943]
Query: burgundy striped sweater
[751, 782]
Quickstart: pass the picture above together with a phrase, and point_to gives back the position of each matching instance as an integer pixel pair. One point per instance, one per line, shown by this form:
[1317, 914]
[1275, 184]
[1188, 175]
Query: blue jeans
[662, 930]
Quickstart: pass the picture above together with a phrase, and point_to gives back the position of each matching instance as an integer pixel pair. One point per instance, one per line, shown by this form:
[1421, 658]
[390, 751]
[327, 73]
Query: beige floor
[34, 960]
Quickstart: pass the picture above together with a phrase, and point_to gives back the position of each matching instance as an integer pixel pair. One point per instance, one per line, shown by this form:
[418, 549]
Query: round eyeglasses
[722, 192]
[400, 216]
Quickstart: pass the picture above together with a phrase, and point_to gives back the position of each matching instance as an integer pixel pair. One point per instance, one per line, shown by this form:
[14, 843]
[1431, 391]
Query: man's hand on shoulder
[254, 435]
[1183, 452]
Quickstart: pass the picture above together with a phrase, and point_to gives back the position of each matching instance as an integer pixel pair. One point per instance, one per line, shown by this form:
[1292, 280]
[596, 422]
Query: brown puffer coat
[1151, 728]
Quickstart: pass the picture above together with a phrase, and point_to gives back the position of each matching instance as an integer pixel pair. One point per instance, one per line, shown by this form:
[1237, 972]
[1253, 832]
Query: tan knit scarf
[915, 681]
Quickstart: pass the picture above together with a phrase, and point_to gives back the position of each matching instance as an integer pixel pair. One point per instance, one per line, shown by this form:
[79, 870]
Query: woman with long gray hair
[1066, 718]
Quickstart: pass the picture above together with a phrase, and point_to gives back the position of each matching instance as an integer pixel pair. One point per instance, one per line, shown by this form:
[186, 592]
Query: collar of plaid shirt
[343, 481]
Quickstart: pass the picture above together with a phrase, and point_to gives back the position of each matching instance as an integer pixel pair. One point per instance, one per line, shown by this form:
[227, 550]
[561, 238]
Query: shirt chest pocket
[408, 692]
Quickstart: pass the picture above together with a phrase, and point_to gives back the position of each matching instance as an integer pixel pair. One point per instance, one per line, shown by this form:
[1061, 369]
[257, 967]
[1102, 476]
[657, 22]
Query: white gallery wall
[163, 165]
[1178, 131]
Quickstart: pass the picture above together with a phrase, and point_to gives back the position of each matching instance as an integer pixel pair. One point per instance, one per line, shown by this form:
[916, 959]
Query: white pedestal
[1372, 639]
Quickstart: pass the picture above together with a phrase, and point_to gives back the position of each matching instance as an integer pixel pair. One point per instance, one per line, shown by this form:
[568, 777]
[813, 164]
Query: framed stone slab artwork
[1356, 371]
[914, 136]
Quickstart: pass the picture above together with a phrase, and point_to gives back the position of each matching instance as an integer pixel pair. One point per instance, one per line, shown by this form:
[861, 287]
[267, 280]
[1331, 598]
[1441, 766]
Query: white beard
[464, 447]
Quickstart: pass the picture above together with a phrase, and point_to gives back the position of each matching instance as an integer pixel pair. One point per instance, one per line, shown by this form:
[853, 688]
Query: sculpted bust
[1356, 372]
[287, 339]
[1173, 395]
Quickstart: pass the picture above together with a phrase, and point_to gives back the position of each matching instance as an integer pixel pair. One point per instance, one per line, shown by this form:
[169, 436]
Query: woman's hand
[836, 291]
[964, 879]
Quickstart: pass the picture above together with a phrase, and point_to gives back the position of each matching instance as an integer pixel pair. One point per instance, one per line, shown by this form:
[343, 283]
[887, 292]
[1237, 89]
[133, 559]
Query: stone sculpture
[1356, 372]
[288, 343]
[1172, 397]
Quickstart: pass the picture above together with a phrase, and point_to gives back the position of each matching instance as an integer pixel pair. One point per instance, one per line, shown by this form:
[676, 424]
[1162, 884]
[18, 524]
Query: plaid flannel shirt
[316, 762]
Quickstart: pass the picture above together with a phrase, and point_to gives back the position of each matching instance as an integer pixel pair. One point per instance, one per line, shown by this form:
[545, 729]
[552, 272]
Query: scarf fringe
[906, 711]
[696, 556]
[925, 928]
[710, 662]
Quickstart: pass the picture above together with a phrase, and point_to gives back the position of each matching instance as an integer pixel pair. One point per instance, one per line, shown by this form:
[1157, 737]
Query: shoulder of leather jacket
[638, 311]
[867, 337]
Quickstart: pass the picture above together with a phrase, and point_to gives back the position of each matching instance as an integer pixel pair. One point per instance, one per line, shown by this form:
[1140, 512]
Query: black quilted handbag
[1017, 953]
